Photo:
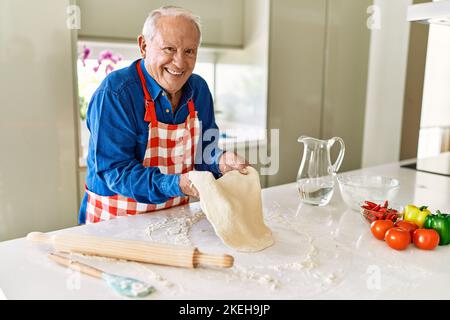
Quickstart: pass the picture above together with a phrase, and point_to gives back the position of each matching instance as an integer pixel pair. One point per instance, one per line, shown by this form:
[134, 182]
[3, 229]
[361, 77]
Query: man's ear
[142, 45]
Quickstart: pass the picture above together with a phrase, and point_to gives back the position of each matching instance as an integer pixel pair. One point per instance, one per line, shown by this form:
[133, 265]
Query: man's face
[171, 55]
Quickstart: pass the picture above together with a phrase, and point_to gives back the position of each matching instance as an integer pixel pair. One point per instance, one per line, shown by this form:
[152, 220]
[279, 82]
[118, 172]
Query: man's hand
[231, 161]
[186, 186]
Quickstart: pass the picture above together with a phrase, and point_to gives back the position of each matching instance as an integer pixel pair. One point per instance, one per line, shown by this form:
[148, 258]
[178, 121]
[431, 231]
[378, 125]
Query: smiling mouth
[174, 73]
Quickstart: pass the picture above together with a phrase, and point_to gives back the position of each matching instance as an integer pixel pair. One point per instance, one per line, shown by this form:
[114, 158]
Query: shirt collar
[152, 86]
[155, 90]
[188, 93]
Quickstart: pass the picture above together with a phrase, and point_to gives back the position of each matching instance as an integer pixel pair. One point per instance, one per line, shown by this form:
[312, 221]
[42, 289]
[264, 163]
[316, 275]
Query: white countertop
[319, 253]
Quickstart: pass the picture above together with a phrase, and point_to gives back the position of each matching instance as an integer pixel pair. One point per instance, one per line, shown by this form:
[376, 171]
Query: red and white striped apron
[170, 147]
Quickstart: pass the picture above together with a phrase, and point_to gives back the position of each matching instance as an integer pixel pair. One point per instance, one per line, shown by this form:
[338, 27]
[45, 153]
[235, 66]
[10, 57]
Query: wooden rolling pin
[141, 251]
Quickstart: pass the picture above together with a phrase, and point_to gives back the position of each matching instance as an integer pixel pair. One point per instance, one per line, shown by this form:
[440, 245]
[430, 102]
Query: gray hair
[150, 23]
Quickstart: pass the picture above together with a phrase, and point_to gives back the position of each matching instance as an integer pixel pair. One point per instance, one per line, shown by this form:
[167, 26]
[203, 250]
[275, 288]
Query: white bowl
[358, 188]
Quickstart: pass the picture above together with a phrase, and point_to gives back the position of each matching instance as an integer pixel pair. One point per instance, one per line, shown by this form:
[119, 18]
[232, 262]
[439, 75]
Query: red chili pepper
[366, 207]
[371, 204]
[376, 208]
[379, 215]
[385, 204]
[371, 217]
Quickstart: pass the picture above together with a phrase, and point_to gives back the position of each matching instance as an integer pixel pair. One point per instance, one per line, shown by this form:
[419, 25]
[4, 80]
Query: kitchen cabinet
[319, 253]
[436, 12]
[38, 167]
[222, 21]
[317, 76]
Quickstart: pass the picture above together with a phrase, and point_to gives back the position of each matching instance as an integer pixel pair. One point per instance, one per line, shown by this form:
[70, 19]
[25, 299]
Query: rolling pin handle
[40, 237]
[223, 261]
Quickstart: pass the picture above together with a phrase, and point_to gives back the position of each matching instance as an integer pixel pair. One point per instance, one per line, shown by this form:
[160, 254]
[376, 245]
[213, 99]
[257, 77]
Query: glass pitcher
[315, 179]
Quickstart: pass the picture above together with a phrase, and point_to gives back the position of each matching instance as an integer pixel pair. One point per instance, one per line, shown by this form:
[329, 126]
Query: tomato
[426, 239]
[398, 238]
[408, 226]
[379, 228]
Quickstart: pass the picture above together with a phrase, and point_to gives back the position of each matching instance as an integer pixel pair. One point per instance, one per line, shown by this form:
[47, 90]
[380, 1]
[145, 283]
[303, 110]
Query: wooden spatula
[178, 256]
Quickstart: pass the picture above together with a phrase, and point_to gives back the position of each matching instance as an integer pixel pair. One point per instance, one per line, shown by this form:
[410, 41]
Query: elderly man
[146, 123]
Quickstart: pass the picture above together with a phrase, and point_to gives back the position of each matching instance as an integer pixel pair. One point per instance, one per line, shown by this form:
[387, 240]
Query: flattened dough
[233, 205]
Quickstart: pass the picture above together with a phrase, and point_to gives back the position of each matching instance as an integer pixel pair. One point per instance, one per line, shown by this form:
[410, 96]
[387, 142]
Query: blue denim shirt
[119, 135]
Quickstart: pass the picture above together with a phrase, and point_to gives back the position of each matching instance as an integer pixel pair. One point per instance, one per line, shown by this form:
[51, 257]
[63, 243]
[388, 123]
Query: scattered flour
[308, 263]
[244, 274]
[177, 228]
[311, 262]
[152, 276]
[331, 278]
[95, 258]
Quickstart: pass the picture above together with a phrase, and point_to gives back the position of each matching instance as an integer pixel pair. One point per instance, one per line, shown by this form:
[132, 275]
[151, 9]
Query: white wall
[386, 84]
[436, 93]
[38, 182]
[434, 135]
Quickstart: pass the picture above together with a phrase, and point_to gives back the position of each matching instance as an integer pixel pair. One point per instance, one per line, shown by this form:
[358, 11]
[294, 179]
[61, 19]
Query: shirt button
[167, 110]
[163, 93]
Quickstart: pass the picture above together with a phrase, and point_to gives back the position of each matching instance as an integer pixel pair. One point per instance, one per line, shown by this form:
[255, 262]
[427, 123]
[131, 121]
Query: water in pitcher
[317, 193]
[315, 179]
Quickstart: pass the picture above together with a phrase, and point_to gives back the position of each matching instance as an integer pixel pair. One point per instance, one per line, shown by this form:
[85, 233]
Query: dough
[233, 206]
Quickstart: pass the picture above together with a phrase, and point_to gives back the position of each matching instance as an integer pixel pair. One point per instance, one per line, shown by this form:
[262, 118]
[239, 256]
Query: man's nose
[178, 59]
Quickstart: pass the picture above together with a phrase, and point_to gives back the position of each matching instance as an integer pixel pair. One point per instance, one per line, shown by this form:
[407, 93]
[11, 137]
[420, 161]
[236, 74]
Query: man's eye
[190, 52]
[169, 50]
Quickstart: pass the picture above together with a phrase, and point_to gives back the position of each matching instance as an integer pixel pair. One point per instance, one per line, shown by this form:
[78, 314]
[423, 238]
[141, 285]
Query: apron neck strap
[144, 85]
[191, 107]
[150, 115]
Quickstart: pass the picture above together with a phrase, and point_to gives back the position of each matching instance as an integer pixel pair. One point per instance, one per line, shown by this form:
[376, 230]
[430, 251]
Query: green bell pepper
[441, 223]
[416, 215]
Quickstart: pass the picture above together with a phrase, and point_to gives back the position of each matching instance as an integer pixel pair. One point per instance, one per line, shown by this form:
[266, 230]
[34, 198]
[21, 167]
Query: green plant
[83, 107]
